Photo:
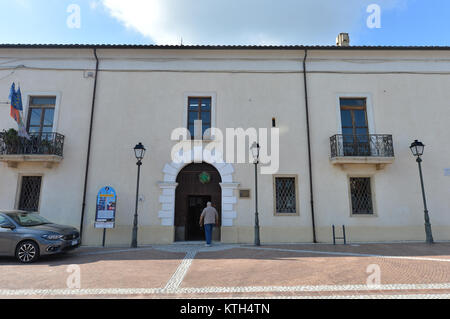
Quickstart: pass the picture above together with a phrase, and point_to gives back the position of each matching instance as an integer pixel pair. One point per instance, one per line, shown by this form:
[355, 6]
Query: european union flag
[12, 91]
[16, 99]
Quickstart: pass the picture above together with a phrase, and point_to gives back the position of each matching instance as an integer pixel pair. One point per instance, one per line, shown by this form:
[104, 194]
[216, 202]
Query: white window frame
[26, 107]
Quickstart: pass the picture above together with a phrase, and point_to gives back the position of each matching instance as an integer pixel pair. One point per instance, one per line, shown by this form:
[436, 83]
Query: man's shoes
[208, 245]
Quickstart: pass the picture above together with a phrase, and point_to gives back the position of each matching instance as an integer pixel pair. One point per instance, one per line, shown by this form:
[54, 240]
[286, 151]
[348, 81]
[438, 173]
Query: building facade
[346, 117]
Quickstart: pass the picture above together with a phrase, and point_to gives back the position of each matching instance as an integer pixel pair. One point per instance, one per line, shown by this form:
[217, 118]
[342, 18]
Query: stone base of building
[362, 234]
[120, 236]
[164, 235]
[246, 235]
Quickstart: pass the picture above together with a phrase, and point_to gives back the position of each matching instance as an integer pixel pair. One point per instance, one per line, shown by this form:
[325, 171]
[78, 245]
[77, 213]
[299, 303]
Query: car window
[2, 219]
[28, 219]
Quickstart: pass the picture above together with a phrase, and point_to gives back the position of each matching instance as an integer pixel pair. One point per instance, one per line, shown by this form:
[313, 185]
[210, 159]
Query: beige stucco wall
[62, 185]
[133, 122]
[141, 97]
[409, 106]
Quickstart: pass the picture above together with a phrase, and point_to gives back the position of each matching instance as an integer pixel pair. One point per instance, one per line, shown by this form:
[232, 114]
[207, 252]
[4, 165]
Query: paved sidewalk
[235, 271]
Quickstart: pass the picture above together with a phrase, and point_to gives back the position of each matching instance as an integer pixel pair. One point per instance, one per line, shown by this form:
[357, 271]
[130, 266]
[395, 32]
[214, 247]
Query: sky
[225, 22]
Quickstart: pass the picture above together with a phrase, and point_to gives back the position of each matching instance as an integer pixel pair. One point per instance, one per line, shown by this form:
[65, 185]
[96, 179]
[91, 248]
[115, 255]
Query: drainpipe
[309, 149]
[83, 208]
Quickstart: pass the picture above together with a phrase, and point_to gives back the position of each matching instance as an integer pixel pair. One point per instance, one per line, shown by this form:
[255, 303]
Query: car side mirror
[8, 226]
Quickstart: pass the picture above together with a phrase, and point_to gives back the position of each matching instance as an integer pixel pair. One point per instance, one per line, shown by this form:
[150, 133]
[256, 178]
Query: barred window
[361, 195]
[286, 195]
[30, 193]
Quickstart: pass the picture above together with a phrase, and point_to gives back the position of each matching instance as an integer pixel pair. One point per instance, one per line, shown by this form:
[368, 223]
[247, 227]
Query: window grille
[286, 201]
[361, 195]
[30, 193]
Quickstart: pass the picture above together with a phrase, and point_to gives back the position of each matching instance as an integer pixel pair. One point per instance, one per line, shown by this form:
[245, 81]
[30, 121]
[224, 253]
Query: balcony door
[41, 115]
[355, 129]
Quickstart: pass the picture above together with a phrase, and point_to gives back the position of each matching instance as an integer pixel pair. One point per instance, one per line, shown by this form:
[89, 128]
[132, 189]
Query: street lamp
[255, 152]
[417, 150]
[139, 152]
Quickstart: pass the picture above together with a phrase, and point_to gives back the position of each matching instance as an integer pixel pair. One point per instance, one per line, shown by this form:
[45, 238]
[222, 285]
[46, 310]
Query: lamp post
[139, 152]
[417, 150]
[255, 152]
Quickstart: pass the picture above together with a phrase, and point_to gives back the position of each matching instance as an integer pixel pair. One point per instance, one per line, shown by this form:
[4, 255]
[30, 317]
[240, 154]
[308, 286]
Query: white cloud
[93, 4]
[243, 21]
[26, 4]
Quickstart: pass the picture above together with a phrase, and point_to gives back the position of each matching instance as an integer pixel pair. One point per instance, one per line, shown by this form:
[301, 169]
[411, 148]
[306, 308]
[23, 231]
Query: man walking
[208, 218]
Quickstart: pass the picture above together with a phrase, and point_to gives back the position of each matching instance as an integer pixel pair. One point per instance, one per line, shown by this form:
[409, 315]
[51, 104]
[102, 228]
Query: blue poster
[106, 208]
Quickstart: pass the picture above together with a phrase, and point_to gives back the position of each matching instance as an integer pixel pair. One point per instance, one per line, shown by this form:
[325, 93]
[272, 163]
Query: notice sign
[106, 208]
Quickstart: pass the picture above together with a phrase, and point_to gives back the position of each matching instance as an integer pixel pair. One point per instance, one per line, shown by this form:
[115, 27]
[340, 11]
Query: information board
[105, 216]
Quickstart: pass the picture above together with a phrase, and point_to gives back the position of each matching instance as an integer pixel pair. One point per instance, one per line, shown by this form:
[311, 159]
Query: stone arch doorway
[197, 184]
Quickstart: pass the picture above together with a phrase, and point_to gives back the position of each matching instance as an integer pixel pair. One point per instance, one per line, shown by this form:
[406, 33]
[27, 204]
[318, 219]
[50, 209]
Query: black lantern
[255, 152]
[417, 148]
[139, 151]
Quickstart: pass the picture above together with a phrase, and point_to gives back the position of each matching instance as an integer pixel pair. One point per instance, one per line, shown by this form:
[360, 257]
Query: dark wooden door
[197, 184]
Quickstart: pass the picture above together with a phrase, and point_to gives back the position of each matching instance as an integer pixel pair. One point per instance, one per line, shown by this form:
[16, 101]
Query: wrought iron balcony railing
[38, 144]
[374, 145]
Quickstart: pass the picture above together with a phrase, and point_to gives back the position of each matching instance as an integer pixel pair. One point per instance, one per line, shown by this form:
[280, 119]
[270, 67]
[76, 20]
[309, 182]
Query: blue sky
[277, 22]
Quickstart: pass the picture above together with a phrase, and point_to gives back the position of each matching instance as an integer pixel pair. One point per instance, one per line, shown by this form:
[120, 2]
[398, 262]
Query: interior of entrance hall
[197, 185]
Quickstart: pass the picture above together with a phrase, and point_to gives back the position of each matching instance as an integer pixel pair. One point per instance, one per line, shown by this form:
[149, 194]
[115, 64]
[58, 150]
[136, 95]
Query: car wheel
[27, 252]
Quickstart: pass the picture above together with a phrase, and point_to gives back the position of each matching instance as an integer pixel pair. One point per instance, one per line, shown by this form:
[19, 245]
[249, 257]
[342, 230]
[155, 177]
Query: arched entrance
[197, 184]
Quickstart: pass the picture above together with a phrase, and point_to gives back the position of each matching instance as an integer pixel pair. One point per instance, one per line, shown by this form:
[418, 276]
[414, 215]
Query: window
[30, 192]
[199, 108]
[28, 220]
[41, 114]
[285, 195]
[355, 129]
[361, 195]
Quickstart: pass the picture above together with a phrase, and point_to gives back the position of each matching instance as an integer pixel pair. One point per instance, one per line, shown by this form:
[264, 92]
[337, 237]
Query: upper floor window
[355, 128]
[199, 109]
[41, 114]
[354, 116]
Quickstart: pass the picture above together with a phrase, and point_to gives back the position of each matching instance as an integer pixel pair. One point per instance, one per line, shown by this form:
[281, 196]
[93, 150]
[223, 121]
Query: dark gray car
[28, 236]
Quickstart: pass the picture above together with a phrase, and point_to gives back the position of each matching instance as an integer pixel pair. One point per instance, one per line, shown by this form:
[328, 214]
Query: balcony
[376, 149]
[46, 148]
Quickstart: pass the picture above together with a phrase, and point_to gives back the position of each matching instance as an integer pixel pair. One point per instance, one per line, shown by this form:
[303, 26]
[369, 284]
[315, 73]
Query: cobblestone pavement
[408, 270]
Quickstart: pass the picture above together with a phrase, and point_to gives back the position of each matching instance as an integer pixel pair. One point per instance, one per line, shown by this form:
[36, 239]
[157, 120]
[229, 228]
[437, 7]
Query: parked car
[27, 236]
